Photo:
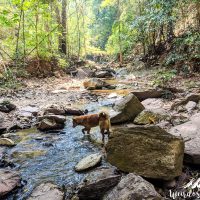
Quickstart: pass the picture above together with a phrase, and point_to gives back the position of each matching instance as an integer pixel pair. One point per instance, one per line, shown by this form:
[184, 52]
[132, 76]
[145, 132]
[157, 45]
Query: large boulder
[126, 109]
[190, 131]
[47, 191]
[88, 162]
[7, 107]
[97, 183]
[9, 180]
[148, 151]
[132, 187]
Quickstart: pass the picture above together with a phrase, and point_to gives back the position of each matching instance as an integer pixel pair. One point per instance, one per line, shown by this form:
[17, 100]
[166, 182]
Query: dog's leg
[108, 132]
[88, 131]
[83, 131]
[103, 135]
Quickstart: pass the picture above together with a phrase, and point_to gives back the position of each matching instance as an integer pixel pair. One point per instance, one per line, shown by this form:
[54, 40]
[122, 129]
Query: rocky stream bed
[39, 149]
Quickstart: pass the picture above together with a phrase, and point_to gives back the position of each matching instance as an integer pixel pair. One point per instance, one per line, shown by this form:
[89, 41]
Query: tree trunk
[119, 34]
[58, 19]
[64, 28]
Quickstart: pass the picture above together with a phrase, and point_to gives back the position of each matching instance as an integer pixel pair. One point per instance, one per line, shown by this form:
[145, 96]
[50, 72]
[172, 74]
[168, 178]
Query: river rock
[149, 117]
[47, 191]
[97, 183]
[2, 150]
[103, 74]
[1, 118]
[23, 155]
[191, 105]
[151, 94]
[57, 118]
[84, 72]
[148, 151]
[2, 129]
[190, 131]
[191, 97]
[154, 105]
[6, 142]
[49, 124]
[126, 109]
[54, 109]
[9, 180]
[28, 111]
[88, 162]
[95, 84]
[62, 110]
[2, 154]
[7, 107]
[132, 187]
[75, 111]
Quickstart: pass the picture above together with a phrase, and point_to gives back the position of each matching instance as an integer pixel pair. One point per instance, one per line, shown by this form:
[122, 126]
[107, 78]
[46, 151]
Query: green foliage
[101, 28]
[161, 78]
[8, 80]
[173, 57]
[94, 27]
[186, 50]
[62, 62]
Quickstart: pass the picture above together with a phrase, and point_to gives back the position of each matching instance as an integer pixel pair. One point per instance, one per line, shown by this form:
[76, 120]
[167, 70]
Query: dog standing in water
[89, 121]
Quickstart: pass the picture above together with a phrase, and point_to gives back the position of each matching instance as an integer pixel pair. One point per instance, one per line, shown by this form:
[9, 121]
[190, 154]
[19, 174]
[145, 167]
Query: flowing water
[41, 157]
[51, 157]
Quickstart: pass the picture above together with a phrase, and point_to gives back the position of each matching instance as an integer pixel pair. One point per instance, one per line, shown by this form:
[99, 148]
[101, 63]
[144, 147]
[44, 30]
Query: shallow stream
[51, 157]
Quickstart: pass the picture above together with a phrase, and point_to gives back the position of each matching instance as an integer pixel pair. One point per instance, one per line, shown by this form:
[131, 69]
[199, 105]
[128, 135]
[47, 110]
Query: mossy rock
[147, 151]
[149, 117]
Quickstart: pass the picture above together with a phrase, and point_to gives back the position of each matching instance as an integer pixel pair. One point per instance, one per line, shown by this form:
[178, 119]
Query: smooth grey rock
[191, 105]
[47, 191]
[88, 162]
[190, 131]
[9, 180]
[133, 187]
[97, 183]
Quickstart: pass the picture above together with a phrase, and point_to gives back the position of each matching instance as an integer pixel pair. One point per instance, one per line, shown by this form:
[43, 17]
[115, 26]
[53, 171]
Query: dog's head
[75, 122]
[103, 115]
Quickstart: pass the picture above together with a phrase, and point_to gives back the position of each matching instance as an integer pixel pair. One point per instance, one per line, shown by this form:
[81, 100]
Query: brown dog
[89, 121]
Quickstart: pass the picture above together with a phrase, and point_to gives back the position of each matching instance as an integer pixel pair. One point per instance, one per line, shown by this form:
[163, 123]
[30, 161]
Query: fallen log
[152, 94]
